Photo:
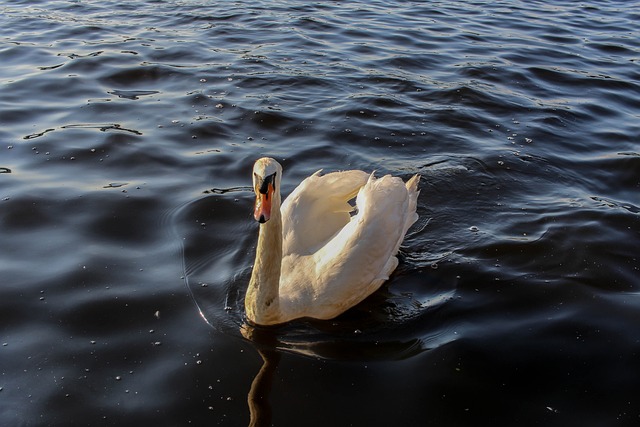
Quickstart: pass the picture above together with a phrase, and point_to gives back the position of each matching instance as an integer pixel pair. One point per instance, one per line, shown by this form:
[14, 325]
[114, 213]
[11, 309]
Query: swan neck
[262, 302]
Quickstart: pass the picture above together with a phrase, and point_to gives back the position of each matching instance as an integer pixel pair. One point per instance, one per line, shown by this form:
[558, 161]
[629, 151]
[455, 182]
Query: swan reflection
[258, 397]
[265, 341]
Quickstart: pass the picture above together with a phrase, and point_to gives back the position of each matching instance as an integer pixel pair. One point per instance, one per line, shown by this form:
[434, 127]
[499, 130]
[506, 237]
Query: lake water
[127, 135]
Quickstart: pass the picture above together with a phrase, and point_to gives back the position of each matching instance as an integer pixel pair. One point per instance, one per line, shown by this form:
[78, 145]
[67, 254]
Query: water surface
[127, 135]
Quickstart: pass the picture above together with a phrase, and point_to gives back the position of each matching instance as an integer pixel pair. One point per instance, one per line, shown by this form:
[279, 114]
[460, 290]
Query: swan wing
[317, 209]
[359, 257]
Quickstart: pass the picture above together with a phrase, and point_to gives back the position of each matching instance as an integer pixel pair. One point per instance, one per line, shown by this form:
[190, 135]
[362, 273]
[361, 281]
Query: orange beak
[262, 209]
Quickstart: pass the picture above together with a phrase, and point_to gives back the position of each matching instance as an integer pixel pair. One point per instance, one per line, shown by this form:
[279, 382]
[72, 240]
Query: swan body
[315, 256]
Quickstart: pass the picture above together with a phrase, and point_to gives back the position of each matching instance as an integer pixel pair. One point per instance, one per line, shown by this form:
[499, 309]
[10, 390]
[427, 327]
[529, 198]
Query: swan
[317, 255]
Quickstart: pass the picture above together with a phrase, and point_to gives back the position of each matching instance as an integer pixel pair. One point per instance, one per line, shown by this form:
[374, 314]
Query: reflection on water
[258, 397]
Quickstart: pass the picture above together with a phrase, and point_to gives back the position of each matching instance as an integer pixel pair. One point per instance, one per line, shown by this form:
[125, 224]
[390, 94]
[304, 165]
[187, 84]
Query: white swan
[315, 259]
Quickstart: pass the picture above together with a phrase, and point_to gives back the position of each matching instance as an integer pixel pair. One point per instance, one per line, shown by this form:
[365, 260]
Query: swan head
[266, 185]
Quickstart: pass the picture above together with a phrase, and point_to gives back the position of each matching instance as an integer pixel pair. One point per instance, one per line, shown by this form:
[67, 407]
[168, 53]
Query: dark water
[127, 135]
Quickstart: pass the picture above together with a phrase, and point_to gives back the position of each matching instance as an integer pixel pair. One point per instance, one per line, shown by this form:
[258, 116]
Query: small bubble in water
[203, 80]
[434, 265]
[473, 228]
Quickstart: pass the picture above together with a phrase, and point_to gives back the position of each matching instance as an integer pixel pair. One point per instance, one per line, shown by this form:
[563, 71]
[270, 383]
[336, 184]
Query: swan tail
[412, 189]
[411, 216]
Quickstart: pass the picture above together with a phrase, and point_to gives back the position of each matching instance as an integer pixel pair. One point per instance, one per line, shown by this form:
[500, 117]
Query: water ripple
[127, 137]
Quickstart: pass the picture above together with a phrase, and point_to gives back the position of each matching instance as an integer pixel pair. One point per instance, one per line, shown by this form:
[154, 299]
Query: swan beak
[264, 196]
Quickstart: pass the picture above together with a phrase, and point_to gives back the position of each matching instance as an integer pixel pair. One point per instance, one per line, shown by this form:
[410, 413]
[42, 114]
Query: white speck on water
[474, 229]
